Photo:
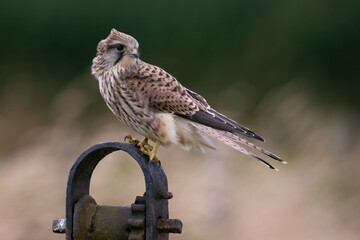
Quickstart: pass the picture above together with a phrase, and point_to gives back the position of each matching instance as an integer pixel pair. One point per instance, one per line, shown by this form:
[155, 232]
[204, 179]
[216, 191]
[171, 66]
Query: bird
[153, 103]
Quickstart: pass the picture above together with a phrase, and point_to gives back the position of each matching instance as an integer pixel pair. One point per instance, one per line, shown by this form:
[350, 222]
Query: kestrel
[152, 102]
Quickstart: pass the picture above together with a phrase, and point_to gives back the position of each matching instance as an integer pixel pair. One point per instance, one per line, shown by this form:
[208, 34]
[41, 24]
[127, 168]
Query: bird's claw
[147, 149]
[144, 147]
[131, 139]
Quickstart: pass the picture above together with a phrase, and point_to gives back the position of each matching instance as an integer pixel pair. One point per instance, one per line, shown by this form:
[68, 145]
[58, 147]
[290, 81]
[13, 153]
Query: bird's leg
[153, 152]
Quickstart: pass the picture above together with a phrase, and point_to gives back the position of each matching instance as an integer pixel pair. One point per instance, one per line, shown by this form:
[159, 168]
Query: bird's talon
[145, 152]
[145, 145]
[131, 139]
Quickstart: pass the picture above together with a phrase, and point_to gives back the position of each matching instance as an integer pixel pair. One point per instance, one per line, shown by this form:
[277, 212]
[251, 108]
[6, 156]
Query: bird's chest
[126, 105]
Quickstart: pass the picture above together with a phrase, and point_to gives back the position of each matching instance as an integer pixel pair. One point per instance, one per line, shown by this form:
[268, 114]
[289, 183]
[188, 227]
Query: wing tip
[258, 137]
[277, 158]
[264, 162]
[250, 133]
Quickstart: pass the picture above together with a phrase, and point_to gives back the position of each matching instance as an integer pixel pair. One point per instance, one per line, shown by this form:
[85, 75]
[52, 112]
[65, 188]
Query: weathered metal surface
[165, 195]
[100, 222]
[169, 225]
[137, 221]
[146, 219]
[59, 226]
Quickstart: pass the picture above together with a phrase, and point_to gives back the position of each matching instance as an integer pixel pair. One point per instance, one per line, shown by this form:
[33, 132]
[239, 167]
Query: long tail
[234, 141]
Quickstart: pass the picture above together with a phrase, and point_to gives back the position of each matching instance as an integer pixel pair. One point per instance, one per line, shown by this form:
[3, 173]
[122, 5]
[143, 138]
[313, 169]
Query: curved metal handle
[155, 181]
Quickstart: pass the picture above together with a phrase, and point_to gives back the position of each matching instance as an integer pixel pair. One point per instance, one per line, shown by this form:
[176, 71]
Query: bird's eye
[120, 48]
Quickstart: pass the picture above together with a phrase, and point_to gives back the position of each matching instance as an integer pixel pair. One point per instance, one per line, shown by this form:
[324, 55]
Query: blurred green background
[289, 70]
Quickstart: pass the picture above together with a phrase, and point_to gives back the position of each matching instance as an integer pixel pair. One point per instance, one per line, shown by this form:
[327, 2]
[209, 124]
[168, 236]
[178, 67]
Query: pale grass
[217, 195]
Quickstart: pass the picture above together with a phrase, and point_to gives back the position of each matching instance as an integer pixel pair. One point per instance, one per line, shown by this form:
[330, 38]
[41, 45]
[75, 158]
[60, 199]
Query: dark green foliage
[216, 43]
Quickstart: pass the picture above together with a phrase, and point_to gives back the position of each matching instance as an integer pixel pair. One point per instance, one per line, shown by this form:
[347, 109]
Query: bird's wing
[165, 94]
[162, 91]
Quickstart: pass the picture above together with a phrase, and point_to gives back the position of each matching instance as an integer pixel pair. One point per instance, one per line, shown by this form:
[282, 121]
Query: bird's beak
[134, 53]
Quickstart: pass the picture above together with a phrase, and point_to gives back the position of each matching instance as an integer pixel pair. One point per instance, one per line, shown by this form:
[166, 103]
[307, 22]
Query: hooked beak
[134, 53]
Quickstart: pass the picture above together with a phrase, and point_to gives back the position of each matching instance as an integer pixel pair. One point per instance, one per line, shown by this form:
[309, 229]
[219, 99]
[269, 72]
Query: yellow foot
[145, 147]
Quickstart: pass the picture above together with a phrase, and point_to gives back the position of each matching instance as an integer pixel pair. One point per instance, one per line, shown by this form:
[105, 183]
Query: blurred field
[218, 195]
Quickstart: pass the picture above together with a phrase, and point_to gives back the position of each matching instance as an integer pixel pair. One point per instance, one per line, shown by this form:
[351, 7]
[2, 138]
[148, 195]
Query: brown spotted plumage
[152, 102]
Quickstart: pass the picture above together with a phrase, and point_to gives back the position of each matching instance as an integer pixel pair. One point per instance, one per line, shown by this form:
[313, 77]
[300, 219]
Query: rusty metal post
[147, 218]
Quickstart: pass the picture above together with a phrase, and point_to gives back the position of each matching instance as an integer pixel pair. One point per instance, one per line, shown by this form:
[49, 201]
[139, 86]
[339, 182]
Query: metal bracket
[156, 224]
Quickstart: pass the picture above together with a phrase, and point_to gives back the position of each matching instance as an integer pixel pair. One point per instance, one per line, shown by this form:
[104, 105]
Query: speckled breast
[127, 107]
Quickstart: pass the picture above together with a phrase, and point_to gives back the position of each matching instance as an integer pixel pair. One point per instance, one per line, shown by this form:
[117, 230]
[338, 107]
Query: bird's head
[118, 49]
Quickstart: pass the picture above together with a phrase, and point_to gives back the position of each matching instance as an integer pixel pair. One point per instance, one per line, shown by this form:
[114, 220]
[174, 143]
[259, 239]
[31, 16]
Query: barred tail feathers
[250, 144]
[234, 141]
